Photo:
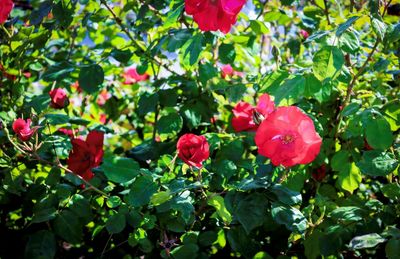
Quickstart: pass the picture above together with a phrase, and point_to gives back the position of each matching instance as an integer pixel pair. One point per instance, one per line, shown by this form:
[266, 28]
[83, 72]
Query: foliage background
[345, 76]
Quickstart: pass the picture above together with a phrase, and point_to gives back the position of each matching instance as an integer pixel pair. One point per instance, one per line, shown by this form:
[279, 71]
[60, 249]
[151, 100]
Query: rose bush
[199, 128]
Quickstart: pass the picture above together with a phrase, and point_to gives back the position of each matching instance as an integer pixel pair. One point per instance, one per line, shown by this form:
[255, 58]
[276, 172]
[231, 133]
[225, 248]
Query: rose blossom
[86, 155]
[23, 129]
[288, 137]
[193, 149]
[243, 113]
[227, 70]
[213, 15]
[132, 76]
[304, 34]
[59, 98]
[5, 9]
[319, 173]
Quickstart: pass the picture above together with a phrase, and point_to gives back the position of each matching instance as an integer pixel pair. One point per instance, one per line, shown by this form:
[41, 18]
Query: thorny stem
[326, 11]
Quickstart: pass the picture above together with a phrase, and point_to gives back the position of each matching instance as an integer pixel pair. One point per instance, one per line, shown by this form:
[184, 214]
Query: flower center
[287, 139]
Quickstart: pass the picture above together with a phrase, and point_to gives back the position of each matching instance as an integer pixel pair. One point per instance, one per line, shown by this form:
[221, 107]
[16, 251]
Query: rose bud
[304, 34]
[288, 137]
[59, 98]
[193, 149]
[23, 129]
[319, 174]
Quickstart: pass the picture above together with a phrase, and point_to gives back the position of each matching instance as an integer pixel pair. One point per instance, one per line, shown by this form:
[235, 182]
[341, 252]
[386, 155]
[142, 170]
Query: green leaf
[391, 191]
[41, 244]
[291, 88]
[185, 251]
[344, 26]
[340, 161]
[312, 85]
[174, 14]
[311, 245]
[90, 78]
[147, 103]
[327, 63]
[241, 242]
[251, 211]
[366, 241]
[347, 214]
[377, 163]
[57, 72]
[378, 133]
[160, 198]
[68, 227]
[219, 204]
[193, 50]
[44, 214]
[285, 195]
[207, 238]
[379, 26]
[392, 249]
[235, 92]
[120, 169]
[57, 119]
[116, 223]
[349, 42]
[349, 177]
[141, 191]
[258, 27]
[122, 56]
[291, 217]
[393, 33]
[170, 124]
[113, 202]
[351, 109]
[206, 72]
[226, 53]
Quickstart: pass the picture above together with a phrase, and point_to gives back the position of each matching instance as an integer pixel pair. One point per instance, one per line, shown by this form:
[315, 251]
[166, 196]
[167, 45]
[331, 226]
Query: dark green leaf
[377, 163]
[90, 78]
[120, 169]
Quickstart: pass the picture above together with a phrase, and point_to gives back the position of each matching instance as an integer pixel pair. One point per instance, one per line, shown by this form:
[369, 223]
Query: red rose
[367, 146]
[288, 137]
[243, 113]
[193, 149]
[23, 129]
[213, 15]
[86, 155]
[5, 9]
[132, 76]
[59, 98]
[319, 174]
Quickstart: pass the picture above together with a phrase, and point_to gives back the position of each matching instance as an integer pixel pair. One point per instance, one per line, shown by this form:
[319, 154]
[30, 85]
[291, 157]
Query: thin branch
[137, 45]
[326, 11]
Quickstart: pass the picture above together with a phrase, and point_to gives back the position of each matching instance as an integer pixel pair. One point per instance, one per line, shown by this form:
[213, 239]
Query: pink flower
[59, 98]
[243, 113]
[5, 9]
[68, 132]
[23, 129]
[132, 76]
[213, 15]
[103, 97]
[304, 34]
[288, 137]
[227, 70]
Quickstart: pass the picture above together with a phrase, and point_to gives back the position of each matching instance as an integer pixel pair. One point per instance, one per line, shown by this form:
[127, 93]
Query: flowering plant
[199, 128]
